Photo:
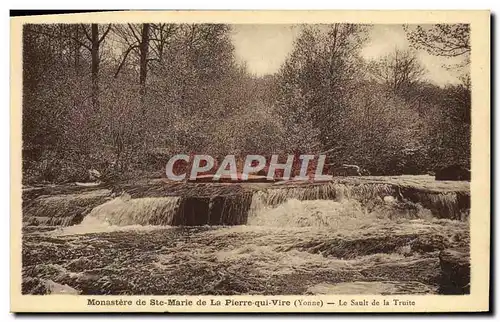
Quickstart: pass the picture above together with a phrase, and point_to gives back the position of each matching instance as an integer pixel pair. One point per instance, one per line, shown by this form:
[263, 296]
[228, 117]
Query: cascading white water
[331, 205]
[310, 213]
[123, 211]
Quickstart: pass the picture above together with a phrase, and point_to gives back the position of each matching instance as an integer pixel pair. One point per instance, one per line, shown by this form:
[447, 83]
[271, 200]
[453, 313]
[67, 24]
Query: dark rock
[453, 172]
[455, 271]
[34, 286]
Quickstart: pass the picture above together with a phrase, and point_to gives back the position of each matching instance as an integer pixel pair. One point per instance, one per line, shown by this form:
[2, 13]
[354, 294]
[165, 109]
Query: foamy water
[324, 240]
[310, 213]
[124, 213]
[93, 225]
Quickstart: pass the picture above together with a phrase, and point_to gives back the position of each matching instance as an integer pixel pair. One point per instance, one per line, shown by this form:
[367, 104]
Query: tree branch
[65, 36]
[86, 33]
[104, 34]
[125, 58]
[133, 33]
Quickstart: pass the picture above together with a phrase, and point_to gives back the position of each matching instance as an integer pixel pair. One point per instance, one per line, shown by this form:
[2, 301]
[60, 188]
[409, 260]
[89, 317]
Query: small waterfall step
[161, 202]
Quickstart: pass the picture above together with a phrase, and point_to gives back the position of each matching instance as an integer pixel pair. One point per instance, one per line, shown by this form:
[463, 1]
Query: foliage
[448, 40]
[123, 98]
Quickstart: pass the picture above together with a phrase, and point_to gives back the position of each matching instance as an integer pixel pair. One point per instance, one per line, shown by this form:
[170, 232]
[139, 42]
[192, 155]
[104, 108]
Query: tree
[51, 76]
[399, 70]
[317, 81]
[95, 43]
[144, 48]
[161, 37]
[449, 120]
[85, 89]
[384, 130]
[136, 37]
[448, 40]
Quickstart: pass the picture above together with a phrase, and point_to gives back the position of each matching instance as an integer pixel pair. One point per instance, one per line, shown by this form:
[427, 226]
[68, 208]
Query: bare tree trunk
[144, 47]
[95, 66]
[77, 49]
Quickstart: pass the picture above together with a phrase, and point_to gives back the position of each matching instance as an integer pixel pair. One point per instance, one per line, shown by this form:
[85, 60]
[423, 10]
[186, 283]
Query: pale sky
[265, 47]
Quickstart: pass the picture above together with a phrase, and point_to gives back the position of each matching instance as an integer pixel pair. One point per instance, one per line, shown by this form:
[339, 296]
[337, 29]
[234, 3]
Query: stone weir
[160, 202]
[153, 202]
[198, 203]
[445, 199]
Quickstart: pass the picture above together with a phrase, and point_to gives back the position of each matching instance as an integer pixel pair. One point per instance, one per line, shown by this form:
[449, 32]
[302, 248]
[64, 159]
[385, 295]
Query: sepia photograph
[167, 158]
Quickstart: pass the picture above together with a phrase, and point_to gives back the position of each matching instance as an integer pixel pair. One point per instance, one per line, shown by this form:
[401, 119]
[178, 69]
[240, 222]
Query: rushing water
[330, 239]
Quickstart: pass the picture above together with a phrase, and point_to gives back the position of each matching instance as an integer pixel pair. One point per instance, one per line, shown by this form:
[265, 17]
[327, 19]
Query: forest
[123, 98]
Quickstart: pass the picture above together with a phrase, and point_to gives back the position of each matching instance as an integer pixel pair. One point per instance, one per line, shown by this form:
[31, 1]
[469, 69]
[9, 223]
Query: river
[361, 241]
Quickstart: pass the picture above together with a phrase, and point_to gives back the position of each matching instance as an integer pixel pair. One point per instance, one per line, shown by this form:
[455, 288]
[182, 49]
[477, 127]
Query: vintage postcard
[250, 161]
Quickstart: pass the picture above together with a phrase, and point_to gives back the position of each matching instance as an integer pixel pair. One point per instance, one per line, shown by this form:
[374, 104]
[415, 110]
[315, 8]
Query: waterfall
[328, 191]
[229, 209]
[198, 205]
[311, 213]
[450, 205]
[123, 211]
[173, 211]
[63, 209]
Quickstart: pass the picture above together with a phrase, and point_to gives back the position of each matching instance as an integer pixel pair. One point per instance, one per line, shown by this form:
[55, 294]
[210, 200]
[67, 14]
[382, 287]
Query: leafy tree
[122, 98]
[318, 80]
